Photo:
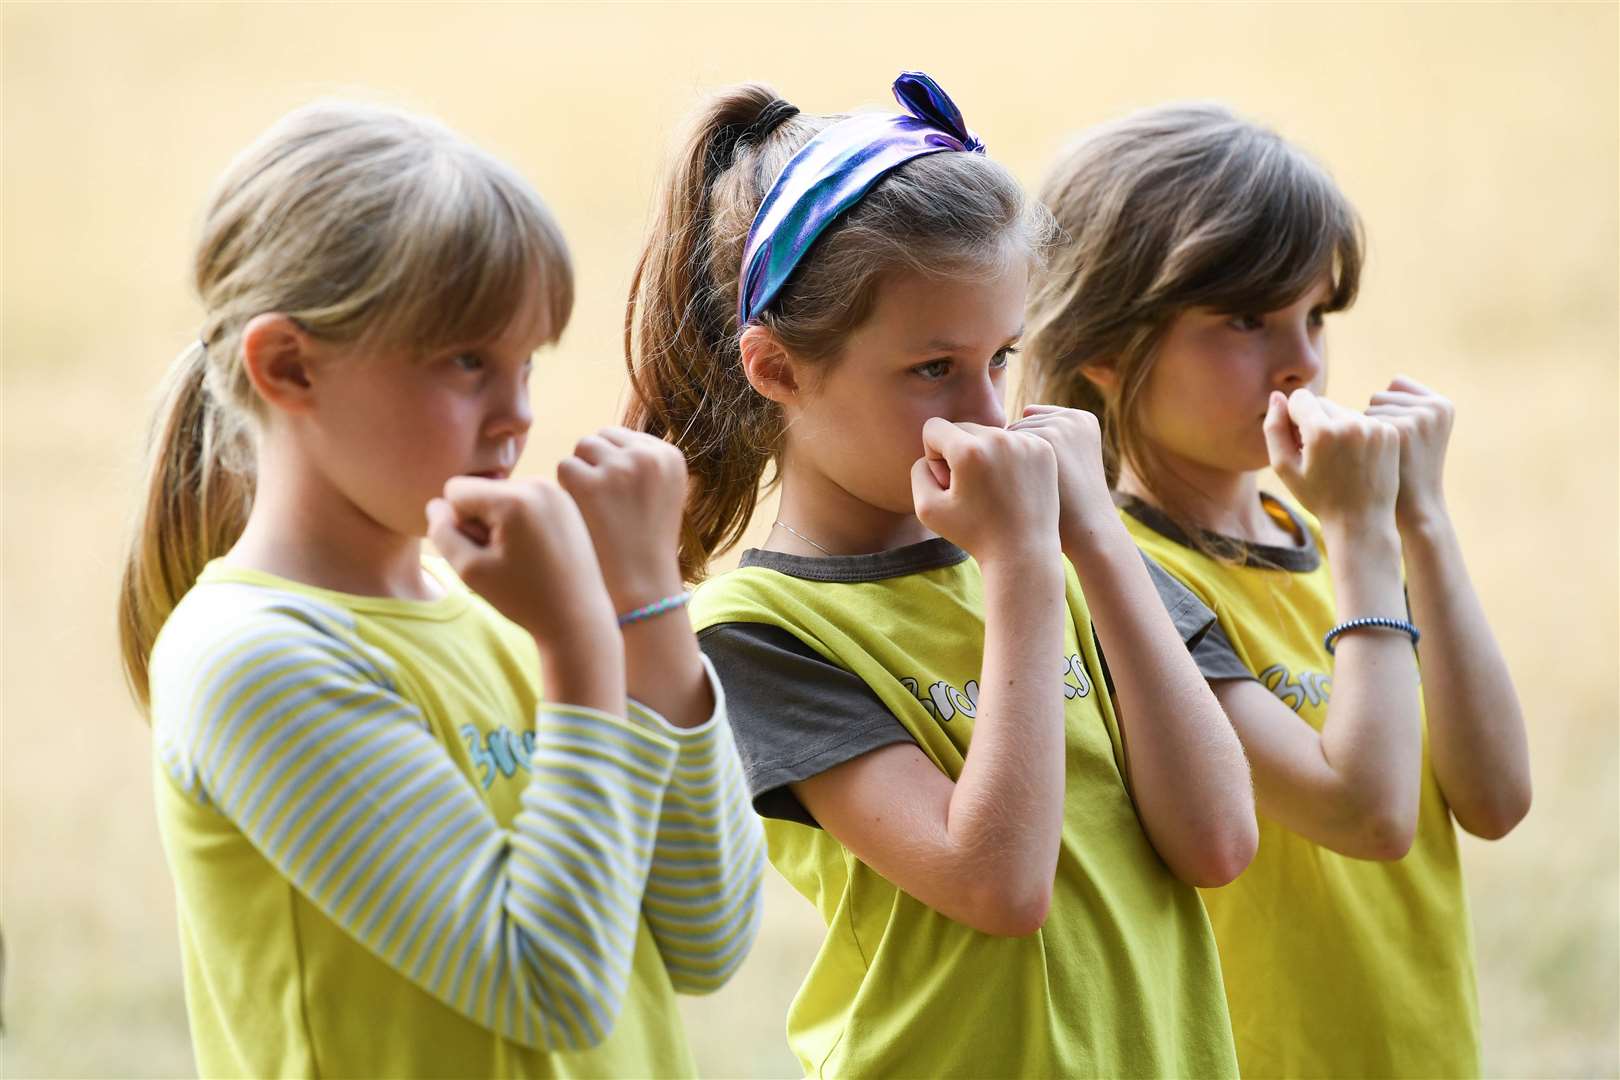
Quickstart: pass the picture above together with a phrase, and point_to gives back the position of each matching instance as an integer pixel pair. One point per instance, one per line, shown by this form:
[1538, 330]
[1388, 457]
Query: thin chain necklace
[801, 536]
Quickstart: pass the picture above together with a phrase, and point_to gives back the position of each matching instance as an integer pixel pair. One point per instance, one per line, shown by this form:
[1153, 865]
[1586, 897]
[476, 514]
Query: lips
[492, 474]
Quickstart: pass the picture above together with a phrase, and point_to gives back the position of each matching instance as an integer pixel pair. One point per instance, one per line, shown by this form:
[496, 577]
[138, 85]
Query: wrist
[1424, 522]
[1021, 552]
[634, 591]
[1362, 538]
[1027, 557]
[1350, 522]
[1087, 540]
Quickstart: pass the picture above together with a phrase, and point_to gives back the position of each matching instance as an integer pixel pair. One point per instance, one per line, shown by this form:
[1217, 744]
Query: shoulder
[224, 624]
[794, 713]
[749, 594]
[231, 653]
[1182, 575]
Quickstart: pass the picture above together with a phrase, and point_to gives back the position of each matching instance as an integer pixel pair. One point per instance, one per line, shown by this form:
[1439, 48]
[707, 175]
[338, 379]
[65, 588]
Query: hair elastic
[1374, 622]
[726, 138]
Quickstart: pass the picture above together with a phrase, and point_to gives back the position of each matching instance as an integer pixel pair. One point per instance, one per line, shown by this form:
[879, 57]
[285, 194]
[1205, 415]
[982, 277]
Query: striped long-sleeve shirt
[393, 858]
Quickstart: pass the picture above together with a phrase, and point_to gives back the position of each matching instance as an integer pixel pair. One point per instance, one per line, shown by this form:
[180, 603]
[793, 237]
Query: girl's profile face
[390, 427]
[929, 348]
[1206, 396]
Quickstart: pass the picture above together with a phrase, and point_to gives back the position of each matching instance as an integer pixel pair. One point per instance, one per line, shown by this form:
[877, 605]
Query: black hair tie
[723, 144]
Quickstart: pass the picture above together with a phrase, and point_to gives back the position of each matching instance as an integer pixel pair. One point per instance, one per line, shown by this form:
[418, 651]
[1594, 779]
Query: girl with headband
[392, 855]
[1001, 832]
[1185, 309]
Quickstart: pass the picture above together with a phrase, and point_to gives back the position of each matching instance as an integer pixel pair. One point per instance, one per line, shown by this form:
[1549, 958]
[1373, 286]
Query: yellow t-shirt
[1123, 979]
[1334, 966]
[392, 859]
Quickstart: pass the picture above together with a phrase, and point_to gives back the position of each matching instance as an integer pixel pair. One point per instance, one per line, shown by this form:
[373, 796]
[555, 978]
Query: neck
[1218, 500]
[303, 529]
[835, 522]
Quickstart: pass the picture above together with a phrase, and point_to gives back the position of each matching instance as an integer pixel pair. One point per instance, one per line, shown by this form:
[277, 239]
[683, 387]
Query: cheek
[866, 437]
[427, 431]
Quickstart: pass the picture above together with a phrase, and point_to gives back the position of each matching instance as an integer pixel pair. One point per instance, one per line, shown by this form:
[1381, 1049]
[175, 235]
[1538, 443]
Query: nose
[510, 415]
[983, 402]
[1297, 360]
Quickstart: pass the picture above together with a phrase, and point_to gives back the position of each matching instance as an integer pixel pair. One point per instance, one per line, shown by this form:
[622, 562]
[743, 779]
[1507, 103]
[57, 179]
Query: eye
[468, 362]
[1245, 323]
[934, 370]
[1000, 361]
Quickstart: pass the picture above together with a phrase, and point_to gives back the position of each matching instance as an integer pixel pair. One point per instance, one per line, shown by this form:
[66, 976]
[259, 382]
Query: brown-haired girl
[392, 857]
[1185, 309]
[1002, 842]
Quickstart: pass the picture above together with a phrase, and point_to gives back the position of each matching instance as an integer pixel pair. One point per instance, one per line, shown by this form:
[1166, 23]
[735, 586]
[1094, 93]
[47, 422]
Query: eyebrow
[942, 345]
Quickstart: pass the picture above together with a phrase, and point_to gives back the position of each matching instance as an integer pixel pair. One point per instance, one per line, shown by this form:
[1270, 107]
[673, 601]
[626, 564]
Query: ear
[277, 354]
[768, 366]
[1102, 374]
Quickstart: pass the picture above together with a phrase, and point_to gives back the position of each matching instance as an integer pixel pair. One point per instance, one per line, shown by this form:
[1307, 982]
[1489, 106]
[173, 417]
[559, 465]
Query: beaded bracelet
[1374, 621]
[657, 607]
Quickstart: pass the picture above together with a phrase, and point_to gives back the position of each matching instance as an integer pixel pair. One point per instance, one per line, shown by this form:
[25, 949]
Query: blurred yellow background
[1479, 142]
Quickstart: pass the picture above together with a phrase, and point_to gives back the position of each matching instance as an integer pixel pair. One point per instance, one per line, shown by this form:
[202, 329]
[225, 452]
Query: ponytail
[196, 504]
[681, 332]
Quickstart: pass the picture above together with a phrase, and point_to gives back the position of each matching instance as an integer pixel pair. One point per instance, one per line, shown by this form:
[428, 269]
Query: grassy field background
[1480, 143]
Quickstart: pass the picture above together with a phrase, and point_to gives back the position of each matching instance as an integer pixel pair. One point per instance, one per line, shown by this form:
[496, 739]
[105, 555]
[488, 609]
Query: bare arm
[630, 488]
[1187, 769]
[1477, 740]
[1354, 786]
[981, 850]
[1187, 772]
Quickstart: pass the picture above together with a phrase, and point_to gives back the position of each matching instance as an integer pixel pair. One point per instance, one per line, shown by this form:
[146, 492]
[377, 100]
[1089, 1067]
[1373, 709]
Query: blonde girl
[1185, 309]
[392, 854]
[1000, 834]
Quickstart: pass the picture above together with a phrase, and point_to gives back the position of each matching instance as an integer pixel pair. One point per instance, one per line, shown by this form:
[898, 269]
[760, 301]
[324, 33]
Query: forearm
[1187, 770]
[1477, 739]
[585, 668]
[663, 665]
[415, 841]
[703, 899]
[1005, 816]
[1371, 738]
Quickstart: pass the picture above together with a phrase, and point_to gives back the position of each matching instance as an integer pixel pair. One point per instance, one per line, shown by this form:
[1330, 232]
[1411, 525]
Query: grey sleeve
[794, 714]
[1211, 649]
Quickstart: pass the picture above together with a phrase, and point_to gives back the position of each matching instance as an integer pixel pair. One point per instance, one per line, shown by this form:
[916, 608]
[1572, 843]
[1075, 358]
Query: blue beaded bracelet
[1374, 621]
[657, 607]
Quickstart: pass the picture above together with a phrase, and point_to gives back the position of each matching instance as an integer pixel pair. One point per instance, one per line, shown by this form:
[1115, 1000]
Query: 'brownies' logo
[1311, 686]
[944, 701]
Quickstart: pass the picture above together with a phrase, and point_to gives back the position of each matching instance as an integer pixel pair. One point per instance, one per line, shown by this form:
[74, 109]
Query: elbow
[699, 977]
[1385, 837]
[702, 983]
[1004, 910]
[588, 1036]
[1221, 859]
[699, 964]
[1498, 817]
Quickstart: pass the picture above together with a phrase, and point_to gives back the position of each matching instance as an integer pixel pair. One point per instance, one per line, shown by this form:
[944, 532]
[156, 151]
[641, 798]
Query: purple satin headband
[833, 172]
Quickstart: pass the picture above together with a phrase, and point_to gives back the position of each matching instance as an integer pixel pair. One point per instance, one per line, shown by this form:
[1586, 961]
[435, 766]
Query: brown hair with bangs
[1168, 209]
[364, 225]
[947, 215]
